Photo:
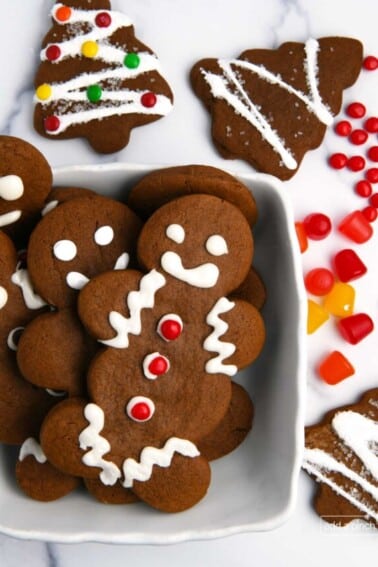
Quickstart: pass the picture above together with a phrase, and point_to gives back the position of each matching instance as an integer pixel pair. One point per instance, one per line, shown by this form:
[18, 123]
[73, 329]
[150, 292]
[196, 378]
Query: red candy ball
[374, 200]
[158, 366]
[53, 52]
[358, 137]
[370, 63]
[148, 99]
[170, 329]
[103, 20]
[140, 411]
[370, 213]
[371, 125]
[343, 128]
[319, 281]
[373, 153]
[356, 110]
[338, 161]
[51, 123]
[372, 175]
[363, 188]
[317, 226]
[356, 163]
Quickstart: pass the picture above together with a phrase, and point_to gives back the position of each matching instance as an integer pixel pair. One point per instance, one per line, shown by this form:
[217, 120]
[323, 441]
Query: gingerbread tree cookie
[96, 79]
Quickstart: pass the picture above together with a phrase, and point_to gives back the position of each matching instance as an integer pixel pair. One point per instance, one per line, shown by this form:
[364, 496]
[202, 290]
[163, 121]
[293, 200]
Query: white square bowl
[253, 488]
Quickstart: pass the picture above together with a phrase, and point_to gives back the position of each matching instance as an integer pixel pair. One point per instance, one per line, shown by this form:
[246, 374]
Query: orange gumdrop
[302, 236]
[335, 368]
[63, 13]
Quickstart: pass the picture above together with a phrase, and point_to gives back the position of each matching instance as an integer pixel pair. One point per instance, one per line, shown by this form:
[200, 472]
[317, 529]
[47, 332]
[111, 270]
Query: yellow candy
[44, 92]
[316, 316]
[340, 300]
[89, 49]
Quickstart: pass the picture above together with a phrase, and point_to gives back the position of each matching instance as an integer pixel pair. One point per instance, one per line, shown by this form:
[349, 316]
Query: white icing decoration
[49, 207]
[122, 262]
[9, 218]
[55, 393]
[11, 187]
[65, 250]
[3, 296]
[144, 298]
[212, 342]
[124, 101]
[22, 279]
[172, 317]
[90, 438]
[203, 276]
[76, 280]
[150, 456]
[244, 105]
[360, 434]
[31, 447]
[176, 233]
[140, 400]
[147, 361]
[216, 245]
[10, 340]
[104, 235]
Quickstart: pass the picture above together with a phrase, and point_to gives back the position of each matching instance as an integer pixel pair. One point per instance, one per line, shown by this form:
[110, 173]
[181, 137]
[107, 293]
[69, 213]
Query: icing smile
[204, 275]
[77, 280]
[9, 218]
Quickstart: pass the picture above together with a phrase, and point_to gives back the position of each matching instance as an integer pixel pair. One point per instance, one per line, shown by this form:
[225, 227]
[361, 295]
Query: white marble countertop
[182, 32]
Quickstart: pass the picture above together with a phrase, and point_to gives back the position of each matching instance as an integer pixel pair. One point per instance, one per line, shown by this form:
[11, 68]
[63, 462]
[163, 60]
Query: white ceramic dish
[253, 488]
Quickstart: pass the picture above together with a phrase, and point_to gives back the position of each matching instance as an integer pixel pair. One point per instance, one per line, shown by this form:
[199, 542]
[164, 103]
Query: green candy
[131, 60]
[94, 93]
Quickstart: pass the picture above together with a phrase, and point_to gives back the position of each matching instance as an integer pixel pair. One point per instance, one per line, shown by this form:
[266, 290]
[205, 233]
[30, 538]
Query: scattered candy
[348, 265]
[356, 227]
[373, 153]
[374, 200]
[356, 110]
[335, 368]
[372, 175]
[338, 161]
[340, 300]
[358, 137]
[370, 63]
[317, 226]
[356, 327]
[363, 188]
[356, 163]
[370, 213]
[148, 99]
[316, 316]
[301, 236]
[319, 281]
[371, 125]
[343, 128]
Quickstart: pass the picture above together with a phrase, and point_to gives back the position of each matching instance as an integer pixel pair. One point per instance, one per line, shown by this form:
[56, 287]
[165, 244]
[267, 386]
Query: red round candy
[148, 99]
[358, 137]
[370, 63]
[373, 153]
[372, 175]
[170, 329]
[370, 213]
[343, 128]
[317, 226]
[103, 20]
[374, 200]
[356, 163]
[356, 110]
[363, 188]
[51, 123]
[53, 52]
[158, 366]
[338, 161]
[319, 281]
[371, 125]
[140, 411]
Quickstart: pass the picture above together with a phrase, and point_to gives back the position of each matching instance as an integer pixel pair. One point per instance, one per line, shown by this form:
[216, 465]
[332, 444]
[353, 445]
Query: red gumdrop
[348, 265]
[370, 63]
[355, 327]
[358, 137]
[170, 329]
[371, 125]
[319, 281]
[334, 368]
[356, 163]
[370, 213]
[374, 200]
[337, 161]
[343, 128]
[372, 175]
[158, 366]
[363, 188]
[301, 236]
[317, 226]
[356, 227]
[356, 110]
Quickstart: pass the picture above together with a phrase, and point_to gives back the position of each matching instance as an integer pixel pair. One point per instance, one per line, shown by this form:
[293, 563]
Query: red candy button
[370, 213]
[317, 226]
[103, 20]
[170, 327]
[356, 227]
[158, 365]
[370, 63]
[53, 52]
[348, 265]
[343, 128]
[373, 153]
[371, 125]
[140, 408]
[51, 123]
[358, 137]
[148, 99]
[338, 161]
[335, 368]
[372, 175]
[356, 163]
[363, 188]
[356, 327]
[356, 110]
[319, 281]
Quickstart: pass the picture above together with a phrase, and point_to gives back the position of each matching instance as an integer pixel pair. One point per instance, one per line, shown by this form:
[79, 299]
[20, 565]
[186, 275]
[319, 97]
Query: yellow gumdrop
[316, 316]
[340, 300]
[89, 49]
[44, 92]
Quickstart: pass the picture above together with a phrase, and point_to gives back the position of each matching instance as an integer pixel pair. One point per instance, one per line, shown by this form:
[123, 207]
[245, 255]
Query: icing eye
[65, 250]
[155, 365]
[13, 337]
[140, 409]
[11, 187]
[104, 235]
[3, 296]
[176, 233]
[216, 245]
[170, 327]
